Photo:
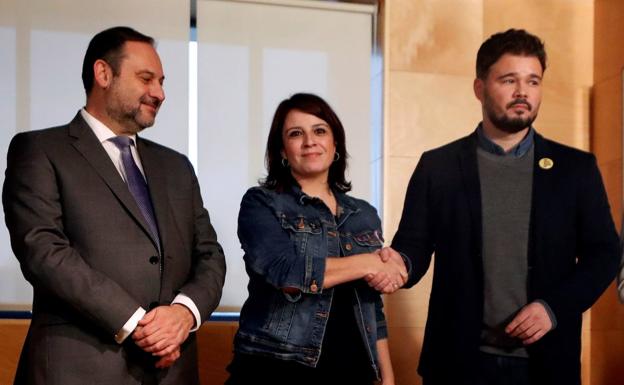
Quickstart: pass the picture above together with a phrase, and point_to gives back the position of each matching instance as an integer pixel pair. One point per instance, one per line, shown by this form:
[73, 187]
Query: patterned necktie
[136, 184]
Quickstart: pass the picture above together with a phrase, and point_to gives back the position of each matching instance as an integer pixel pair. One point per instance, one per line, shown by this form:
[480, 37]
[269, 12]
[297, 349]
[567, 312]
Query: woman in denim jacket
[310, 249]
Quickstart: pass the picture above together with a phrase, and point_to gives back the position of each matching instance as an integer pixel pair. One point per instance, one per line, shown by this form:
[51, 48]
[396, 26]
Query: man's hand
[169, 359]
[530, 324]
[392, 275]
[163, 330]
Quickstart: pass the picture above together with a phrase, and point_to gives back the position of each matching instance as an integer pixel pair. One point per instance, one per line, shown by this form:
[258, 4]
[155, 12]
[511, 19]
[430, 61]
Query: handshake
[388, 272]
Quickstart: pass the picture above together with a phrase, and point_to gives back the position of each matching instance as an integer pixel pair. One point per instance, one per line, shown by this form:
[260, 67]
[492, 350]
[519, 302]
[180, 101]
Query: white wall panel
[254, 54]
[251, 55]
[42, 45]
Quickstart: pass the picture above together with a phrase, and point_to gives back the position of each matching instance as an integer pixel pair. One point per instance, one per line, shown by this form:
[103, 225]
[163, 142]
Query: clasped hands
[390, 273]
[162, 330]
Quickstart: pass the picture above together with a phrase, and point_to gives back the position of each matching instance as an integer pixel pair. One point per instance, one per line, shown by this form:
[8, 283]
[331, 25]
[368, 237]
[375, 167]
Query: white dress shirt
[104, 134]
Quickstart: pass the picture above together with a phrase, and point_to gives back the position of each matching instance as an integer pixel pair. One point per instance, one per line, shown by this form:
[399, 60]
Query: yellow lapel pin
[546, 163]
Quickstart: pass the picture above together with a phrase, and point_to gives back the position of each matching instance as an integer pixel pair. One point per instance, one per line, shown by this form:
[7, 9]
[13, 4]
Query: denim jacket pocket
[300, 229]
[300, 224]
[368, 240]
[280, 317]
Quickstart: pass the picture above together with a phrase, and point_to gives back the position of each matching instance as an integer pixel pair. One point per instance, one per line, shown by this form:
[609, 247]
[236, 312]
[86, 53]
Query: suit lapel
[542, 179]
[472, 186]
[157, 185]
[91, 149]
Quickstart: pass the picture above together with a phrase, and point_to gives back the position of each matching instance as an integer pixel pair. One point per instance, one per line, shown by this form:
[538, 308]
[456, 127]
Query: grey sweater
[506, 185]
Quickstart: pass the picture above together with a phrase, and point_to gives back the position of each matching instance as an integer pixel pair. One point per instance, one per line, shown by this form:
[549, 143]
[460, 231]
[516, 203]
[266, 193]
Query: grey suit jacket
[84, 246]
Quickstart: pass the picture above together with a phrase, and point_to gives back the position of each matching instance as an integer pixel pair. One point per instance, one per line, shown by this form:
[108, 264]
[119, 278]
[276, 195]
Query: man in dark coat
[522, 233]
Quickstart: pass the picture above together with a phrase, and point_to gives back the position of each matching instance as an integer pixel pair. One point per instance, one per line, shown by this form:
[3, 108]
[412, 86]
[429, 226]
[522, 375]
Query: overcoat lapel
[470, 180]
[542, 189]
[91, 149]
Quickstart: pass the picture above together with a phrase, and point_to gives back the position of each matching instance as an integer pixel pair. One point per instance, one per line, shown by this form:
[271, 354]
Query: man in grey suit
[110, 230]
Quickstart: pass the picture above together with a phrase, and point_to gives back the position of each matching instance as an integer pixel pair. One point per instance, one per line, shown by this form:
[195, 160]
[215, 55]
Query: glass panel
[252, 55]
[42, 45]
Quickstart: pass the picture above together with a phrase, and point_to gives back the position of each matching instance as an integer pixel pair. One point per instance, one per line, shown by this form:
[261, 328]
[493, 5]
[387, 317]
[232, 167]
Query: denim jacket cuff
[382, 330]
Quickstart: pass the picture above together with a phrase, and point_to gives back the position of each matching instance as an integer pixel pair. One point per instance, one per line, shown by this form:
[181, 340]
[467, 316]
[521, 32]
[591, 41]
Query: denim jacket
[287, 237]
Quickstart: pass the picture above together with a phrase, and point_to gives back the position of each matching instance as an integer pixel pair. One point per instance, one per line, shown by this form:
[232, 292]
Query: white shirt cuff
[188, 302]
[129, 326]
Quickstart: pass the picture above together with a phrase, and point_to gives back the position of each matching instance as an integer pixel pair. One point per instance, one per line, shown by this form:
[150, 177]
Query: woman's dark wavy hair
[279, 176]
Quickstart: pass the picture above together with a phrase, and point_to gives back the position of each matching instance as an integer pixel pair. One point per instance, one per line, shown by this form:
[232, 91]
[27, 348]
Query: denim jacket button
[348, 246]
[313, 287]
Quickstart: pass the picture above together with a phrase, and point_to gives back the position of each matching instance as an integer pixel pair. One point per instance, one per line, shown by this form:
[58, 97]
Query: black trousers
[251, 370]
[497, 370]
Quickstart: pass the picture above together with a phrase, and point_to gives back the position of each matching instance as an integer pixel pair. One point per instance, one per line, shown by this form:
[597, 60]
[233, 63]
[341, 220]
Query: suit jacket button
[154, 260]
[153, 305]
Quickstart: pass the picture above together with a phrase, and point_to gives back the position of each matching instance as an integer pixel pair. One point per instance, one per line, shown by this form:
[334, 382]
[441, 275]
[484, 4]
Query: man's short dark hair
[513, 41]
[108, 46]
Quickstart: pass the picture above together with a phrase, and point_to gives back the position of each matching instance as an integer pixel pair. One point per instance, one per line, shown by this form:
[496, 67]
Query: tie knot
[122, 142]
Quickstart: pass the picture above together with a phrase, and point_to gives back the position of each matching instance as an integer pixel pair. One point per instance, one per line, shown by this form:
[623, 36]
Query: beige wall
[607, 329]
[12, 335]
[430, 48]
[214, 341]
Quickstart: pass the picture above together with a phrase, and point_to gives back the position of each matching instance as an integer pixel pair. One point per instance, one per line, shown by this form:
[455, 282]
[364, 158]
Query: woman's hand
[390, 275]
[385, 364]
[385, 382]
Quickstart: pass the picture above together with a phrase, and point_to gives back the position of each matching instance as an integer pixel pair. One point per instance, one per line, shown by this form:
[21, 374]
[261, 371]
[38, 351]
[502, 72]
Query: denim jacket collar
[346, 205]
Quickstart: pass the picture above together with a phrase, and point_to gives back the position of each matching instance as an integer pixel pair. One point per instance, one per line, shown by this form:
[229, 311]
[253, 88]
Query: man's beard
[513, 124]
[127, 114]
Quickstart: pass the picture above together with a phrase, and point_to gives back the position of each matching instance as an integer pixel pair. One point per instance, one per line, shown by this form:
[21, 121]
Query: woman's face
[309, 145]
